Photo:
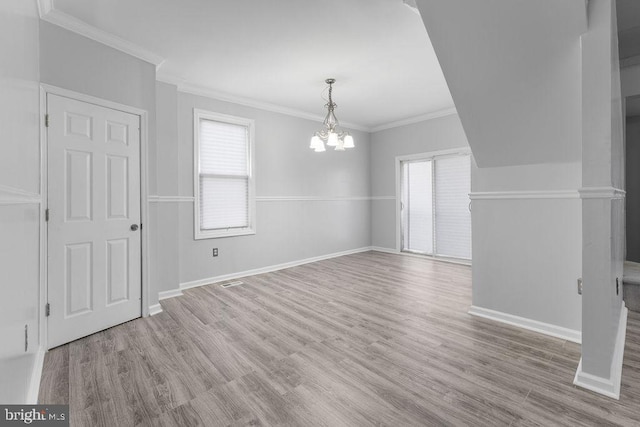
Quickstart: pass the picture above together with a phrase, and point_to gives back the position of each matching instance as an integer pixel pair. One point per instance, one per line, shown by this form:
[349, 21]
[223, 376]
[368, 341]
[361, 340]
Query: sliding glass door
[435, 216]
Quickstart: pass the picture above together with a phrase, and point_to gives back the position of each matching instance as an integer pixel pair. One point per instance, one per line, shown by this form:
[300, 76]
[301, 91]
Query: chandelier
[332, 135]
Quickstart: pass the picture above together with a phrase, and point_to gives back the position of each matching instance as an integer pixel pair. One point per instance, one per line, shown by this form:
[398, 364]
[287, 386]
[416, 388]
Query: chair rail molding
[602, 193]
[16, 196]
[505, 195]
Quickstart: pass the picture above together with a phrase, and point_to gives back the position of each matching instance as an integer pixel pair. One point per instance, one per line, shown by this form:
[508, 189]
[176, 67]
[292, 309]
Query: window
[434, 205]
[223, 181]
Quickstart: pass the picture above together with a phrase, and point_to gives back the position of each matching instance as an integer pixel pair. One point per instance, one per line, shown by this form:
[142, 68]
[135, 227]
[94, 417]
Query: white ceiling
[280, 51]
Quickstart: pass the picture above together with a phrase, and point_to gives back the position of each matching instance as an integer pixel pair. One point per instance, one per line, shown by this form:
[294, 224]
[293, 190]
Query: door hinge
[47, 310]
[46, 120]
[46, 215]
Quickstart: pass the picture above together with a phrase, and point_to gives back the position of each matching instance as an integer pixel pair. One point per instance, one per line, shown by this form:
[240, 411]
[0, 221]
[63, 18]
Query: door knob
[134, 227]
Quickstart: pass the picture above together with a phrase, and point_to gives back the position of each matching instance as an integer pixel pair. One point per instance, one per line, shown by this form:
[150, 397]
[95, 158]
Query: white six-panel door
[94, 243]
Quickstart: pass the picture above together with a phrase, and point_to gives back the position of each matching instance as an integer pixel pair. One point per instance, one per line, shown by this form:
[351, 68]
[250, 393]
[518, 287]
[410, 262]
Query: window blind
[224, 175]
[453, 219]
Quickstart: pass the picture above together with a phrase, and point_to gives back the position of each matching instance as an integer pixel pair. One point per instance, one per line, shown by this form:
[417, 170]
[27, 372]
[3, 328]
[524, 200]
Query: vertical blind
[224, 175]
[435, 206]
[453, 219]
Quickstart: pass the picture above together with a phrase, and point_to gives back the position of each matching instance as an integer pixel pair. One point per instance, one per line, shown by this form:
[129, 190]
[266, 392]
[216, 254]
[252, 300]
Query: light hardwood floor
[365, 339]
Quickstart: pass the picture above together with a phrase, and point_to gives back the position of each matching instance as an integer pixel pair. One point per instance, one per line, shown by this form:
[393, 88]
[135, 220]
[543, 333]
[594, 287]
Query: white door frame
[144, 215]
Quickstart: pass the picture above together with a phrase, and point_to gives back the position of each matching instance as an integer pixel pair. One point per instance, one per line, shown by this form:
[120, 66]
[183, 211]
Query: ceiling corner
[44, 7]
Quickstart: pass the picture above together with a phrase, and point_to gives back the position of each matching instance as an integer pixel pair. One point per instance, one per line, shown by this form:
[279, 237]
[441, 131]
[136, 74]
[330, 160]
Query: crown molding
[416, 119]
[193, 89]
[48, 13]
[170, 78]
[184, 86]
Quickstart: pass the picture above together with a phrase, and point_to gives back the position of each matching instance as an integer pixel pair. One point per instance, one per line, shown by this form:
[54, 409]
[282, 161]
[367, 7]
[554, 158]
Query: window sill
[216, 234]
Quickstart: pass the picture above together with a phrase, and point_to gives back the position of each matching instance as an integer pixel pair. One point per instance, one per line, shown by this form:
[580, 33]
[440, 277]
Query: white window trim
[229, 232]
[462, 151]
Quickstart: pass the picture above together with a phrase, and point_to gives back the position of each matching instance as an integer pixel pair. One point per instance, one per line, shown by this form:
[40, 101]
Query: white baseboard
[169, 294]
[607, 386]
[36, 375]
[155, 309]
[269, 269]
[530, 324]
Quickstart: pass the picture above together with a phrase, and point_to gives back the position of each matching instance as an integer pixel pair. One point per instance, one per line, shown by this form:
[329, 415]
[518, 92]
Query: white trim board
[180, 199]
[169, 294]
[529, 324]
[170, 199]
[513, 195]
[36, 375]
[416, 119]
[311, 198]
[193, 89]
[16, 196]
[184, 86]
[50, 14]
[268, 269]
[155, 309]
[609, 387]
[602, 193]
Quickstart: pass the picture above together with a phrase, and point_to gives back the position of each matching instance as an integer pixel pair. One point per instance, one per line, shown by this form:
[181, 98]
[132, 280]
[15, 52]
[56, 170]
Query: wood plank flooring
[364, 339]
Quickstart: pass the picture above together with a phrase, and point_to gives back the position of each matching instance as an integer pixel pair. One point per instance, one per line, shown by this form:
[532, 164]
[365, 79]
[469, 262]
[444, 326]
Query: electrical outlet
[580, 286]
[215, 251]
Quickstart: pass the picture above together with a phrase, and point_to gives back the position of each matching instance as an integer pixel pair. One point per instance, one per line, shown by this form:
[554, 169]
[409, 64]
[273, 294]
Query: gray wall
[19, 198]
[287, 230]
[168, 225]
[527, 242]
[432, 135]
[633, 188]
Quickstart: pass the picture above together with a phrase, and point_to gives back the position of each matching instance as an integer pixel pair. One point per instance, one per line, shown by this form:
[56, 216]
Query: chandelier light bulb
[316, 142]
[348, 141]
[320, 148]
[332, 140]
[340, 146]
